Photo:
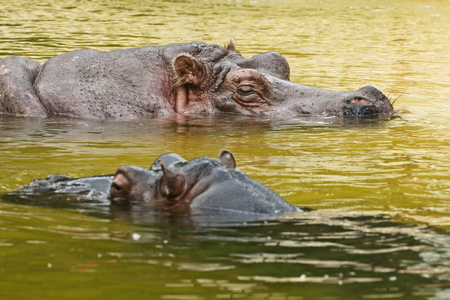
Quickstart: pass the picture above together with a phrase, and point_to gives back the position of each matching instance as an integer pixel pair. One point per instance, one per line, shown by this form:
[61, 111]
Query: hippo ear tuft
[231, 46]
[188, 70]
[171, 184]
[227, 158]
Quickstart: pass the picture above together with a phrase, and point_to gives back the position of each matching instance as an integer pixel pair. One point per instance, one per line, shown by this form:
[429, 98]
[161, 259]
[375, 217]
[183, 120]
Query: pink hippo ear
[188, 70]
[172, 185]
[227, 158]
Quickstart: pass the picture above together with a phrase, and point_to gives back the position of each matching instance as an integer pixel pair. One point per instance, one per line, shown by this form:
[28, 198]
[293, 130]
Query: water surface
[381, 188]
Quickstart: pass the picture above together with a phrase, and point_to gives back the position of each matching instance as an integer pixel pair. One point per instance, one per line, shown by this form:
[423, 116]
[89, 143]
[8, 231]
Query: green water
[381, 188]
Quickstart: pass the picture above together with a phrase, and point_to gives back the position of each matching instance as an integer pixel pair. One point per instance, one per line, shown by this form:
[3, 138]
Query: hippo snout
[367, 102]
[360, 107]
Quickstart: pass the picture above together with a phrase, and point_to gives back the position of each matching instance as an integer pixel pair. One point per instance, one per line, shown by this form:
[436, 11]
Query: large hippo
[172, 184]
[189, 78]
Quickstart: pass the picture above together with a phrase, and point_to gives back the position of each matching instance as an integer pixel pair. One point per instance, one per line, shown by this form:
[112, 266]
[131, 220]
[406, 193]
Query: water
[381, 188]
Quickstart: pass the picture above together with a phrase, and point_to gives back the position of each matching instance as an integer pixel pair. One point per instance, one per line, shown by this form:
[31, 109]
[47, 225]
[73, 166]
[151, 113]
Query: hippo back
[229, 189]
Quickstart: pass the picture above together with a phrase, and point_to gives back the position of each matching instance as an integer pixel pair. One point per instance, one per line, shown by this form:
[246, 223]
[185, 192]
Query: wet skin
[172, 184]
[190, 78]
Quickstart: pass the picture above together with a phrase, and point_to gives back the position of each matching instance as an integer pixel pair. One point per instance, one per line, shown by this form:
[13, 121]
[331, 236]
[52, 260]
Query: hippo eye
[116, 191]
[246, 90]
[120, 186]
[116, 188]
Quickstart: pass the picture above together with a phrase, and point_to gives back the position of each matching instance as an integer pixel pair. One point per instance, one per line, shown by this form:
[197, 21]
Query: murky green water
[350, 172]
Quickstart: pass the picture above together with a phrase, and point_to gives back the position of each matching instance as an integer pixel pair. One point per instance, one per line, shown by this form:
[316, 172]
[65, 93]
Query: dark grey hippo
[190, 78]
[172, 184]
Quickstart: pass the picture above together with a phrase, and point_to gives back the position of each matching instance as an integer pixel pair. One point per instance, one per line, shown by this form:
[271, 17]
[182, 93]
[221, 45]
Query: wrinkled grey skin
[191, 78]
[172, 184]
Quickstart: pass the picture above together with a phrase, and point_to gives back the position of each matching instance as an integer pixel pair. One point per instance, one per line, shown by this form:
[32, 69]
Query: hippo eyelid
[253, 79]
[121, 182]
[117, 187]
[246, 90]
[248, 95]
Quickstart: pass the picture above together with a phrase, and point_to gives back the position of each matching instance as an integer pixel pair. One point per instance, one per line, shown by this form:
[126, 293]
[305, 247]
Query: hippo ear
[231, 46]
[188, 70]
[171, 184]
[227, 158]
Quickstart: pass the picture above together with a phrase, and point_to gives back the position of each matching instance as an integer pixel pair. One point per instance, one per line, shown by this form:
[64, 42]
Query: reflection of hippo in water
[171, 184]
[191, 78]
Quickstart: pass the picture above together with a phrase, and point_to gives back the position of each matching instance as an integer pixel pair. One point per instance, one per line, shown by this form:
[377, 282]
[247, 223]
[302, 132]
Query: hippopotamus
[171, 184]
[177, 79]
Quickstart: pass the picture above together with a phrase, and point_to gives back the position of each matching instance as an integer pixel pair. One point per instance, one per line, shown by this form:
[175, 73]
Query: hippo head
[219, 79]
[168, 184]
[176, 185]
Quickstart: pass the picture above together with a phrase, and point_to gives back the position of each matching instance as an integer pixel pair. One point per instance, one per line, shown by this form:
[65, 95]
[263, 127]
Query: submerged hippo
[171, 184]
[190, 78]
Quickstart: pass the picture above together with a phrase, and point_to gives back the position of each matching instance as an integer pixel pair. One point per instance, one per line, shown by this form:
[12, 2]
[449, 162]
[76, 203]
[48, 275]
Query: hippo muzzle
[290, 100]
[368, 102]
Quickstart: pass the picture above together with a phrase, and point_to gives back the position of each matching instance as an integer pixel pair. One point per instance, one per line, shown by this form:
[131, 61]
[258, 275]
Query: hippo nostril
[360, 106]
[360, 101]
